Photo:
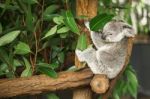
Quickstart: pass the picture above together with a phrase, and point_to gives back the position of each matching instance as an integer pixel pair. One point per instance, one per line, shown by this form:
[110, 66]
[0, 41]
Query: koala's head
[115, 31]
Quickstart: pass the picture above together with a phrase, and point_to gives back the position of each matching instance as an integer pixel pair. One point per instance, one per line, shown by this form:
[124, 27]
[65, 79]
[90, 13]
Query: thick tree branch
[41, 83]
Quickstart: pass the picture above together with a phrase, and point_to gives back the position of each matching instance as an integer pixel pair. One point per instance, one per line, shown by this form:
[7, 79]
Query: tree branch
[41, 83]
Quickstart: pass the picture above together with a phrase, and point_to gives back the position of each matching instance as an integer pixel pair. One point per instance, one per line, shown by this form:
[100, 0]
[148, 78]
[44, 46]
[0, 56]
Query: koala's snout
[104, 37]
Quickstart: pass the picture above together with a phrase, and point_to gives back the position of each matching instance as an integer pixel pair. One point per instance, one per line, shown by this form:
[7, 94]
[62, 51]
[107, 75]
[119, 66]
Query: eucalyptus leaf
[63, 30]
[63, 35]
[49, 17]
[133, 83]
[61, 57]
[51, 32]
[52, 65]
[3, 69]
[116, 96]
[48, 71]
[28, 71]
[9, 37]
[4, 56]
[52, 96]
[70, 22]
[49, 10]
[29, 19]
[82, 42]
[22, 48]
[132, 91]
[58, 20]
[1, 28]
[7, 3]
[99, 21]
[30, 1]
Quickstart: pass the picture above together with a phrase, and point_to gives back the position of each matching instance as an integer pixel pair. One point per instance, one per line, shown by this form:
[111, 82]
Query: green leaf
[22, 48]
[1, 28]
[58, 20]
[29, 19]
[52, 65]
[99, 21]
[61, 57]
[132, 83]
[51, 32]
[49, 10]
[7, 2]
[132, 77]
[9, 37]
[52, 96]
[63, 35]
[48, 71]
[28, 71]
[116, 96]
[63, 30]
[82, 42]
[30, 1]
[99, 97]
[70, 22]
[132, 91]
[7, 59]
[4, 56]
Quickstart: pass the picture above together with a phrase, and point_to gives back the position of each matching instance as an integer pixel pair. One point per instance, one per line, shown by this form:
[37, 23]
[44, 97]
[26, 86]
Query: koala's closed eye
[110, 34]
[127, 26]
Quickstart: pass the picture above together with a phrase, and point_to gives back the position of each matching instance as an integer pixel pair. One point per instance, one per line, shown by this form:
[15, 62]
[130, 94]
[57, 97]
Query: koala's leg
[89, 56]
[111, 61]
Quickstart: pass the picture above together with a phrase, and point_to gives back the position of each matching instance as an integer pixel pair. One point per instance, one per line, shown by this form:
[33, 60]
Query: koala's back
[113, 58]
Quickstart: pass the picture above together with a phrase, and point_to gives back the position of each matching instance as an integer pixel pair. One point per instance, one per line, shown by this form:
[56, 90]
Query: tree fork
[99, 83]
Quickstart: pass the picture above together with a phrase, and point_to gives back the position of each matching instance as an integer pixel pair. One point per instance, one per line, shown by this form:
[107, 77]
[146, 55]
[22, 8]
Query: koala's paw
[89, 49]
[79, 54]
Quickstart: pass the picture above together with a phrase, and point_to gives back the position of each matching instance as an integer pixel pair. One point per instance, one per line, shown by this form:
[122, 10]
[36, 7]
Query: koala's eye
[126, 26]
[110, 34]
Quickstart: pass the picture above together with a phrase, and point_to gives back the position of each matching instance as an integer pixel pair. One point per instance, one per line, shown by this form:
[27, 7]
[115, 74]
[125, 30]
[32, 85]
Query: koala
[108, 55]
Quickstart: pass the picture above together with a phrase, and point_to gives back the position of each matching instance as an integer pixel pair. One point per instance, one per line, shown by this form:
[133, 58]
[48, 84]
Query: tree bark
[99, 83]
[82, 93]
[42, 83]
[88, 8]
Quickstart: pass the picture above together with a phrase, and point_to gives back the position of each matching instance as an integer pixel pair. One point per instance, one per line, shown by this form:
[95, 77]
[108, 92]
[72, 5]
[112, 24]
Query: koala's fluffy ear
[128, 31]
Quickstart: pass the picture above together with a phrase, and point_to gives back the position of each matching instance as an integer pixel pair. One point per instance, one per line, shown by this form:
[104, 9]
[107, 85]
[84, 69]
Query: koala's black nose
[103, 37]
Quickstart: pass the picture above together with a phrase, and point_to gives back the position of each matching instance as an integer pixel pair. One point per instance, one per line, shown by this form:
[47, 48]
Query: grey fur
[111, 45]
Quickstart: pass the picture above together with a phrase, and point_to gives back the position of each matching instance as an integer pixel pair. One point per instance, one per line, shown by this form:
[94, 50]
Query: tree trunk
[84, 8]
[82, 93]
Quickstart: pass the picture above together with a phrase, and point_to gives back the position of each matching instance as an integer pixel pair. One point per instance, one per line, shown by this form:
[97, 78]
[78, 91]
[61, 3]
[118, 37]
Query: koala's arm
[95, 36]
[89, 56]
[84, 55]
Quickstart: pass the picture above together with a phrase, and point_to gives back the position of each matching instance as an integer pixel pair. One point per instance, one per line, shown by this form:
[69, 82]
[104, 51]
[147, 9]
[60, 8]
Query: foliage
[36, 35]
[99, 21]
[127, 85]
